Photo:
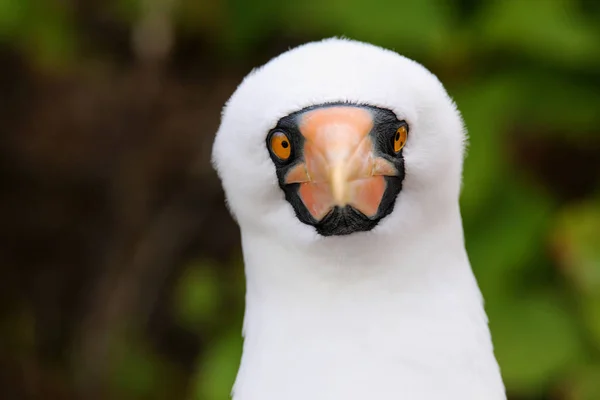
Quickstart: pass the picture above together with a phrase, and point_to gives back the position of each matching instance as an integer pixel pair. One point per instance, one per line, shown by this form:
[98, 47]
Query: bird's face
[339, 139]
[339, 165]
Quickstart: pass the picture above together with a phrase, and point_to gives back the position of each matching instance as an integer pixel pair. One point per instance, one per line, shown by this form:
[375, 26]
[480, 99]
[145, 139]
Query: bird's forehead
[331, 72]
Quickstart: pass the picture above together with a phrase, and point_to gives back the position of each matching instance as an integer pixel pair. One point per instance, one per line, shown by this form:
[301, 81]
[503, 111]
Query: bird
[341, 163]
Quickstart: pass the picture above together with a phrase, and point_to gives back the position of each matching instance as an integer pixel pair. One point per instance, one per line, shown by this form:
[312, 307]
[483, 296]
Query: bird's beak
[339, 183]
[340, 167]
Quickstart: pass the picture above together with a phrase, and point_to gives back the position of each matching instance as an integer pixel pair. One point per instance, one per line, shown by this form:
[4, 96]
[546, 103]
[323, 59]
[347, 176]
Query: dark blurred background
[120, 268]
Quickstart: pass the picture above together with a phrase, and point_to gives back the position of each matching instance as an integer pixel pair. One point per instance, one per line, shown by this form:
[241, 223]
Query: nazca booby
[342, 163]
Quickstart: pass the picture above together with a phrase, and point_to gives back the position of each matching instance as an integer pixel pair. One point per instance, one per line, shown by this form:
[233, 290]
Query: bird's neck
[373, 320]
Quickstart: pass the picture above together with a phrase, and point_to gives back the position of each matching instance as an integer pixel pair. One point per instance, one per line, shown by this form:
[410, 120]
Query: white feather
[394, 313]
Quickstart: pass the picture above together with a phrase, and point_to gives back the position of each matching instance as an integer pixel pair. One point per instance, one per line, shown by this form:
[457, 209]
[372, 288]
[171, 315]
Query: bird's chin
[342, 221]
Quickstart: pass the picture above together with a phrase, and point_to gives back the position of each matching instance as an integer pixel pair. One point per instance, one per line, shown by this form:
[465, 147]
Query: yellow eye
[281, 146]
[400, 138]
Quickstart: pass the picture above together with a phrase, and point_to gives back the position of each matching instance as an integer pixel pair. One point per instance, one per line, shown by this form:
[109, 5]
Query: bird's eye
[400, 138]
[281, 146]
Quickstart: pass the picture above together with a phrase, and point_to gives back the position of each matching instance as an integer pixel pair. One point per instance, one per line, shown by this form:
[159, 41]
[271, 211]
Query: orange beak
[340, 167]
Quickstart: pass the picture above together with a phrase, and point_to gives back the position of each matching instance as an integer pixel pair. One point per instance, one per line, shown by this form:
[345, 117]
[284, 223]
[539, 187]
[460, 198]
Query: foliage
[526, 76]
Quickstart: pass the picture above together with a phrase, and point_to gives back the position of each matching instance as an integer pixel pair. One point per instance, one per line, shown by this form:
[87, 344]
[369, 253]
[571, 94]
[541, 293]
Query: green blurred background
[120, 268]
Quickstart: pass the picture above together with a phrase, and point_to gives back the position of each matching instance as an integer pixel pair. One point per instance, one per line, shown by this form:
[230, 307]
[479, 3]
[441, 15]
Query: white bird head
[339, 137]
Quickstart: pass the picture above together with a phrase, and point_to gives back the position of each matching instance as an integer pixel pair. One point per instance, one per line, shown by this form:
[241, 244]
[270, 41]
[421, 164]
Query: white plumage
[392, 313]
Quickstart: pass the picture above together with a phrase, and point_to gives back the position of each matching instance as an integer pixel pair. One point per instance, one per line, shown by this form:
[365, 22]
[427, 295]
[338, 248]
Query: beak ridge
[339, 184]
